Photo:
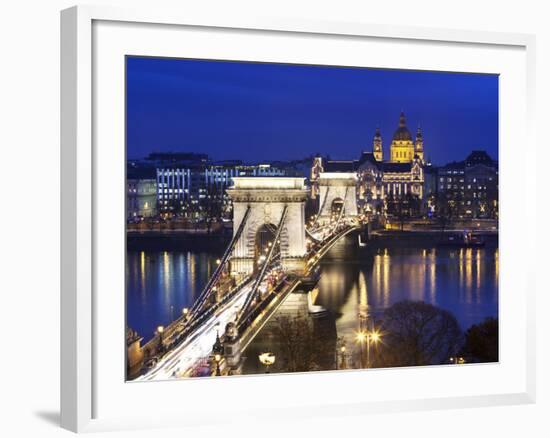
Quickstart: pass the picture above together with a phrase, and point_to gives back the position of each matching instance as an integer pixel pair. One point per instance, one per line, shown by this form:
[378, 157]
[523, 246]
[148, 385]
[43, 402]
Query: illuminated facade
[266, 199]
[187, 189]
[316, 171]
[387, 186]
[402, 148]
[469, 188]
[141, 197]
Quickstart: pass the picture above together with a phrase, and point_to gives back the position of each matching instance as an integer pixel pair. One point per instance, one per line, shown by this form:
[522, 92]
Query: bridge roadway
[180, 361]
[183, 359]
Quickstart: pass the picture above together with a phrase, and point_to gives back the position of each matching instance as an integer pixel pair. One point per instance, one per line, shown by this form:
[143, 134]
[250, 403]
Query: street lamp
[267, 359]
[217, 359]
[361, 337]
[160, 331]
[457, 360]
[366, 337]
[185, 313]
[343, 357]
[373, 337]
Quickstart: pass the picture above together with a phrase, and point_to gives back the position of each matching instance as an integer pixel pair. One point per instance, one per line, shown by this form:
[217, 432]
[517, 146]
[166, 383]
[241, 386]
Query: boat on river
[465, 239]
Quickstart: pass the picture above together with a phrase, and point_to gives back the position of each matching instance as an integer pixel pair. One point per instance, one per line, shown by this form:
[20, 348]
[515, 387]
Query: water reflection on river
[160, 284]
[462, 280]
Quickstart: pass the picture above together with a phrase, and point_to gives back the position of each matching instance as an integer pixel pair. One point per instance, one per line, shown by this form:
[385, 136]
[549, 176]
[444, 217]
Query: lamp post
[457, 360]
[366, 337]
[267, 359]
[343, 357]
[361, 338]
[373, 337]
[160, 331]
[217, 359]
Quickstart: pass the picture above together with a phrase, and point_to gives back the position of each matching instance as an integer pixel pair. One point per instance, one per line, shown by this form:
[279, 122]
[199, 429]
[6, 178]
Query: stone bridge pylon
[337, 190]
[261, 202]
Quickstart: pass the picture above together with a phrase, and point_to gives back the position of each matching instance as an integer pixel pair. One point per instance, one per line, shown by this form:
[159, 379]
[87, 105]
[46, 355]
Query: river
[462, 280]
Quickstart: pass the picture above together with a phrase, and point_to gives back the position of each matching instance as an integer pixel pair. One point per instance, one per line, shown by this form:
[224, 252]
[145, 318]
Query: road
[182, 359]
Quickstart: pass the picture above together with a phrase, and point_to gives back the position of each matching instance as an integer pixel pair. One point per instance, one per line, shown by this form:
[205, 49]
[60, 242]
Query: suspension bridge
[274, 249]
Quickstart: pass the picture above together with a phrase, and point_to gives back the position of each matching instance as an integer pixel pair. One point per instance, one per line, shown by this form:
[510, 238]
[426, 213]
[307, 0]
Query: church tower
[419, 145]
[377, 146]
[402, 147]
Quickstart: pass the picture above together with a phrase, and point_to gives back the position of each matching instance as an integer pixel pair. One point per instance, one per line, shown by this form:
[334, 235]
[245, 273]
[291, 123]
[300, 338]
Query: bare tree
[299, 348]
[417, 333]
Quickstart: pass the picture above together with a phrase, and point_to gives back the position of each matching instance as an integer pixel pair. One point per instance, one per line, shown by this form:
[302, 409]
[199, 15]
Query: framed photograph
[320, 214]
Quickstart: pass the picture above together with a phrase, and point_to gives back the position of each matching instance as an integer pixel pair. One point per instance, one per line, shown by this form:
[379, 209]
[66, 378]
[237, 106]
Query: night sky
[260, 112]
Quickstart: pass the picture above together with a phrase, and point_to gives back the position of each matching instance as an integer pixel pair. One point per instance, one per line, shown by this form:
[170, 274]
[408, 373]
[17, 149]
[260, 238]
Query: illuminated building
[141, 194]
[384, 184]
[469, 188]
[402, 148]
[316, 171]
[190, 190]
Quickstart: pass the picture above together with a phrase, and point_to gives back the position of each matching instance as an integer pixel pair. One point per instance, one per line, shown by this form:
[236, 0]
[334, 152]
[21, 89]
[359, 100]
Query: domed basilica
[384, 185]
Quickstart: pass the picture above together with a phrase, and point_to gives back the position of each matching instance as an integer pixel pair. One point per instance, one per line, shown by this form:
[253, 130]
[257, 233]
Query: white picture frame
[80, 339]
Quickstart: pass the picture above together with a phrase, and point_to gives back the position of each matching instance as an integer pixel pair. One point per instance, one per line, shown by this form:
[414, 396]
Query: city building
[141, 193]
[174, 188]
[469, 188]
[386, 186]
[402, 148]
[200, 190]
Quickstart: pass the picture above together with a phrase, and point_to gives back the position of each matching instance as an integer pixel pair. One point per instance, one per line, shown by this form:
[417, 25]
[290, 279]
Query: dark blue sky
[255, 112]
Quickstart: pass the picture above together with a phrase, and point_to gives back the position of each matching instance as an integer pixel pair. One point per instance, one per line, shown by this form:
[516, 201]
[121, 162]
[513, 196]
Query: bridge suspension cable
[341, 211]
[308, 232]
[322, 205]
[263, 269]
[197, 306]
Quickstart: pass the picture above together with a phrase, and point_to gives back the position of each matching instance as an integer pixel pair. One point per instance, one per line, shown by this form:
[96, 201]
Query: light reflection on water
[461, 280]
[161, 283]
[464, 281]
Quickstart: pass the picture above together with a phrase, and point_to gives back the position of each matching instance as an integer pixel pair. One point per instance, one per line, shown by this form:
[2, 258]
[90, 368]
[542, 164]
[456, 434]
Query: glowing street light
[343, 357]
[361, 336]
[366, 337]
[160, 331]
[267, 359]
[458, 360]
[185, 313]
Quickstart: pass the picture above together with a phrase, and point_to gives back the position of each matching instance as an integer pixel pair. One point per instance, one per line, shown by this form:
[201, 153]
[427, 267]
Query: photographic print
[286, 218]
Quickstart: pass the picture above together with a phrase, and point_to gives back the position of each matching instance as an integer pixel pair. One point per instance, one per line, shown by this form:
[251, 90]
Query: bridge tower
[337, 188]
[267, 197]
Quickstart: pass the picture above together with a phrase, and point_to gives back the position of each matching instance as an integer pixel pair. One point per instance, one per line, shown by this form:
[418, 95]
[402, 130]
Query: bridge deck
[181, 360]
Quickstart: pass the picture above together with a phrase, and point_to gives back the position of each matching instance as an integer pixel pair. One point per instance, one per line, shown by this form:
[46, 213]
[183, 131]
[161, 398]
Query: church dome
[402, 133]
